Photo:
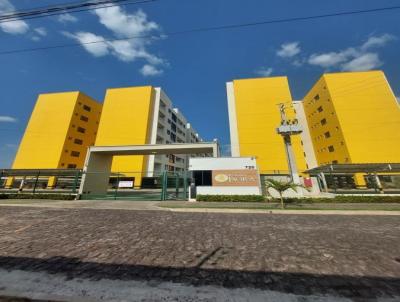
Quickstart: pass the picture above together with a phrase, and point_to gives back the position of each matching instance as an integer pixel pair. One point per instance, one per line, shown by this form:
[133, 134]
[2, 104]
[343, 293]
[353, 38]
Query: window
[173, 127]
[202, 178]
[323, 121]
[84, 118]
[173, 137]
[75, 153]
[78, 141]
[331, 148]
[334, 161]
[71, 166]
[81, 130]
[87, 108]
[316, 97]
[320, 109]
[327, 134]
[173, 116]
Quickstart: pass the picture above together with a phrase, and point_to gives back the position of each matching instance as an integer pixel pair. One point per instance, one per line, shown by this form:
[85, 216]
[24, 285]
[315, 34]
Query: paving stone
[349, 256]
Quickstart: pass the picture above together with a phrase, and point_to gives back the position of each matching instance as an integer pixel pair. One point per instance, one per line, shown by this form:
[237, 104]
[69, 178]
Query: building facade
[353, 117]
[143, 115]
[61, 128]
[253, 118]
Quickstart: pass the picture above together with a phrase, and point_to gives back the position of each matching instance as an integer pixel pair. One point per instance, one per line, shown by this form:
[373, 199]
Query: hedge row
[347, 199]
[337, 199]
[38, 196]
[231, 198]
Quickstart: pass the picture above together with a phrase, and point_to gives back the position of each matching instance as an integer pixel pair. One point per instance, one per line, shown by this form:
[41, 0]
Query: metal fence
[127, 185]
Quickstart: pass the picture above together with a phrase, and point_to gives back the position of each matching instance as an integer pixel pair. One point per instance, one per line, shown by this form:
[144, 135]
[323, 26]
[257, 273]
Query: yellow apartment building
[253, 118]
[126, 120]
[353, 117]
[61, 128]
[143, 115]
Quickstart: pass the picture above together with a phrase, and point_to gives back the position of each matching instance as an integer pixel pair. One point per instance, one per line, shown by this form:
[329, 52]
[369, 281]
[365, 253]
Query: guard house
[225, 175]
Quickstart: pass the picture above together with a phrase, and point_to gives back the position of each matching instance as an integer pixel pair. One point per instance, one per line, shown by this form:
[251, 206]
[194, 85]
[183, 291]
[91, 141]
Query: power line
[65, 8]
[207, 29]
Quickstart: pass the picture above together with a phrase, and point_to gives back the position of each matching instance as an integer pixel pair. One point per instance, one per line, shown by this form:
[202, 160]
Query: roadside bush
[231, 198]
[344, 199]
[38, 196]
[337, 199]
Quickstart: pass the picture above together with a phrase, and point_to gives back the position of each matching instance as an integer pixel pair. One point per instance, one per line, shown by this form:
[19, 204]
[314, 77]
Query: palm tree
[281, 187]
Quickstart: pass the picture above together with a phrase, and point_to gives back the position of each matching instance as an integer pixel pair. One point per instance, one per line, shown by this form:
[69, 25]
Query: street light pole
[286, 130]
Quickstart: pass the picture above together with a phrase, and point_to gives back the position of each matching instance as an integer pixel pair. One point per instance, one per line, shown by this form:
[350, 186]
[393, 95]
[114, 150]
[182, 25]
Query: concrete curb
[287, 212]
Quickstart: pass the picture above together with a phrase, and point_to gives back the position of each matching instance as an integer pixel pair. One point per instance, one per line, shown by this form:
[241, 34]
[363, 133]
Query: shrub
[231, 198]
[38, 196]
[344, 199]
[337, 199]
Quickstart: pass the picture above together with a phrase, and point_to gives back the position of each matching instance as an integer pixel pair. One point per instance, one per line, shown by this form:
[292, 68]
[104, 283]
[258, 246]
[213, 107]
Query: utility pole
[286, 130]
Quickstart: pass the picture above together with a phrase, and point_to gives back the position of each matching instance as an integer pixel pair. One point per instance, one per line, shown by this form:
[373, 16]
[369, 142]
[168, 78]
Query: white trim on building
[168, 126]
[233, 127]
[308, 147]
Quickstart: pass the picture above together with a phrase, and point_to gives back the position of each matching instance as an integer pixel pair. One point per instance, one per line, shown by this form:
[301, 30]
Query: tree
[281, 187]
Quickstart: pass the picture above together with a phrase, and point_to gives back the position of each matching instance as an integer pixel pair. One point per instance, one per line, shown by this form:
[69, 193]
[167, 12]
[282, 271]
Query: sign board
[125, 184]
[235, 178]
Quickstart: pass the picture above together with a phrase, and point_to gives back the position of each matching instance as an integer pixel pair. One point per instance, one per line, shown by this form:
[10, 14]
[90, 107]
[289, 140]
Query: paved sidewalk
[83, 204]
[204, 207]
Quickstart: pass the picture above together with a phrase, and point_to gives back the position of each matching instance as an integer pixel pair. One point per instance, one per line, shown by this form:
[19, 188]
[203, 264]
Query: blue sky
[191, 68]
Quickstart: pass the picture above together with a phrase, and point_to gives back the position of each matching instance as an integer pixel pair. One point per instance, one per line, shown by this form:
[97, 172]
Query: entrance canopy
[356, 168]
[97, 169]
[197, 148]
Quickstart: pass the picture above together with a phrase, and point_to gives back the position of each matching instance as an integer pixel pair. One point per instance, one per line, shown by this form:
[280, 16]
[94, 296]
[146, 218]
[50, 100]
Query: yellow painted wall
[318, 105]
[362, 115]
[369, 115]
[88, 138]
[126, 120]
[258, 117]
[46, 135]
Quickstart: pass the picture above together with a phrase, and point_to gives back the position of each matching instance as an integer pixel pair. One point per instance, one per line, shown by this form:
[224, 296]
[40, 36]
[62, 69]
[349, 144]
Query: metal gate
[141, 187]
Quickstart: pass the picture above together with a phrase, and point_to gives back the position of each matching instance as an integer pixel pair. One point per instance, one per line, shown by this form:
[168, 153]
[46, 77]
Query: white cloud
[366, 61]
[124, 24]
[65, 18]
[7, 119]
[132, 30]
[12, 27]
[264, 72]
[327, 59]
[353, 58]
[149, 70]
[96, 48]
[379, 41]
[288, 50]
[41, 31]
